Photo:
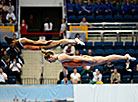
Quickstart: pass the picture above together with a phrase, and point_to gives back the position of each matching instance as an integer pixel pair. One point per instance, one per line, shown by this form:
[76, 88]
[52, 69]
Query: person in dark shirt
[88, 8]
[108, 7]
[108, 68]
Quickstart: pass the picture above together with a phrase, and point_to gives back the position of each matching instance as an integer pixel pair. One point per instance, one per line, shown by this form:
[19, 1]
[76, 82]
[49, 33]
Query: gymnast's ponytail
[47, 53]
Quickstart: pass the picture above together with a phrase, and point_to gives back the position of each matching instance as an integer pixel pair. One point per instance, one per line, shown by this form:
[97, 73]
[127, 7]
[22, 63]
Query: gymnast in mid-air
[80, 61]
[24, 43]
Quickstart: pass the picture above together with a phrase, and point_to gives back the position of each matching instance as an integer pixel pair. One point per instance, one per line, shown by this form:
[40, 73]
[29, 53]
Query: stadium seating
[106, 79]
[135, 78]
[126, 79]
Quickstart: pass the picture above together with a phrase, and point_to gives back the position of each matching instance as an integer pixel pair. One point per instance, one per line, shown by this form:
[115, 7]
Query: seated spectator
[97, 77]
[15, 68]
[3, 77]
[80, 8]
[23, 27]
[71, 8]
[66, 81]
[75, 77]
[1, 24]
[108, 7]
[108, 68]
[77, 53]
[127, 8]
[88, 8]
[4, 14]
[6, 59]
[135, 6]
[69, 49]
[84, 22]
[10, 6]
[136, 71]
[98, 8]
[115, 77]
[64, 73]
[128, 68]
[90, 52]
[10, 15]
[10, 22]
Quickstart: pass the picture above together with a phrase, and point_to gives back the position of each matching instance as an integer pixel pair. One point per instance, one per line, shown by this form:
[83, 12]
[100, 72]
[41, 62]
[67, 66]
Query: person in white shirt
[16, 70]
[3, 77]
[10, 15]
[63, 29]
[97, 77]
[69, 49]
[75, 77]
[48, 26]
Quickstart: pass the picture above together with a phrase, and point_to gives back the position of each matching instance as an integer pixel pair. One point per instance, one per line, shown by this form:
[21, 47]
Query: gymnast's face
[51, 59]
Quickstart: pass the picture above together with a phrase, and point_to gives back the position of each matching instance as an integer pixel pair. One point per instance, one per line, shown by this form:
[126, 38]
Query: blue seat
[136, 53]
[130, 51]
[135, 78]
[108, 44]
[98, 44]
[136, 45]
[109, 51]
[118, 17]
[11, 79]
[106, 79]
[118, 45]
[108, 18]
[120, 51]
[99, 67]
[85, 79]
[128, 18]
[99, 52]
[126, 79]
[88, 45]
[90, 18]
[70, 68]
[80, 18]
[79, 68]
[119, 67]
[129, 45]
[116, 10]
[72, 19]
[4, 44]
[99, 18]
[135, 17]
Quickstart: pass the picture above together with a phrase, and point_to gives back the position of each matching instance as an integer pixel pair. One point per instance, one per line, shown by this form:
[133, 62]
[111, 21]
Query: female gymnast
[24, 43]
[79, 61]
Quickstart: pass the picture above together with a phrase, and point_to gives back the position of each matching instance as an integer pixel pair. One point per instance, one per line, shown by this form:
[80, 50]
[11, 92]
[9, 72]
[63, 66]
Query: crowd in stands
[99, 10]
[7, 12]
[11, 62]
[123, 71]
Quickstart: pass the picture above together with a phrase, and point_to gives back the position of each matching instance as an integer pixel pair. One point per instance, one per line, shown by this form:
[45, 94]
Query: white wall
[45, 3]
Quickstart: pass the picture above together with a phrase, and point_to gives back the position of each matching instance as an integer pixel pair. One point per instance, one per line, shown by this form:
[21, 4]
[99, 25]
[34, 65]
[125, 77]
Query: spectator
[127, 8]
[1, 13]
[71, 8]
[108, 7]
[108, 68]
[64, 73]
[99, 8]
[135, 6]
[23, 27]
[6, 59]
[90, 52]
[88, 8]
[63, 29]
[78, 37]
[75, 77]
[10, 15]
[66, 81]
[15, 36]
[97, 77]
[84, 22]
[69, 49]
[128, 68]
[48, 26]
[1, 24]
[3, 77]
[15, 68]
[77, 53]
[11, 22]
[4, 14]
[115, 77]
[10, 6]
[80, 8]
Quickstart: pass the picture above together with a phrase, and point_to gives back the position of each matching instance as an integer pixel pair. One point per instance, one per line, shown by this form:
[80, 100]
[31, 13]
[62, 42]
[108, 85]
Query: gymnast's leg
[101, 60]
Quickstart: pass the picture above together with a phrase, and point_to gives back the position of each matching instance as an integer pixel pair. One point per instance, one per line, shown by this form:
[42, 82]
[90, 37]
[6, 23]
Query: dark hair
[77, 35]
[47, 20]
[9, 40]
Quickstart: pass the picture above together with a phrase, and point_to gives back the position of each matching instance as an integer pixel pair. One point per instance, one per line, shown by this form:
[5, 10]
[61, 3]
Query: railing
[29, 81]
[113, 28]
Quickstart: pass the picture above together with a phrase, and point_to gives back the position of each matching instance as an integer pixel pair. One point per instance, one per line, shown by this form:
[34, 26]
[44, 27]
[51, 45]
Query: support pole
[41, 77]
